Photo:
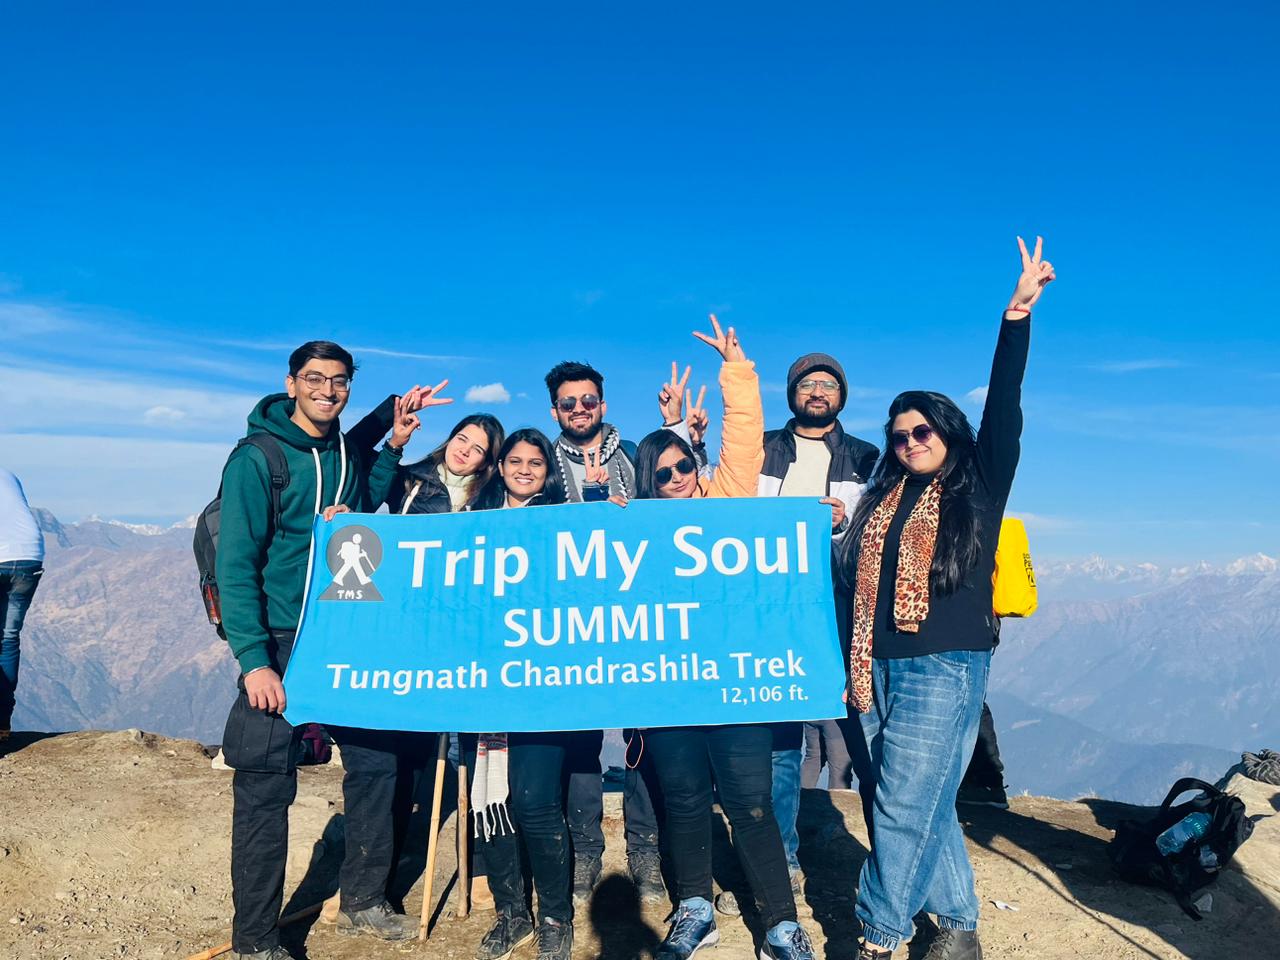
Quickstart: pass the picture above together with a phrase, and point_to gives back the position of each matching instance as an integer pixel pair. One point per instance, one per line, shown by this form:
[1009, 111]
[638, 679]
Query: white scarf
[490, 787]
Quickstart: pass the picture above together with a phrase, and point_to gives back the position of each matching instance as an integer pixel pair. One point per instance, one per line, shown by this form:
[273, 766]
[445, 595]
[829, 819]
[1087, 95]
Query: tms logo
[353, 554]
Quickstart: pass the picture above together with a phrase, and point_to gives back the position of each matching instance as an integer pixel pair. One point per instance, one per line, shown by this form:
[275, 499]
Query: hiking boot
[646, 874]
[586, 871]
[504, 937]
[378, 921]
[952, 944]
[727, 904]
[792, 943]
[271, 953]
[693, 926]
[984, 796]
[555, 939]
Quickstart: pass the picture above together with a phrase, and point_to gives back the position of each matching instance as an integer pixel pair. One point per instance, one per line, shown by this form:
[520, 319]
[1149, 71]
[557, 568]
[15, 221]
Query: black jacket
[963, 620]
[852, 461]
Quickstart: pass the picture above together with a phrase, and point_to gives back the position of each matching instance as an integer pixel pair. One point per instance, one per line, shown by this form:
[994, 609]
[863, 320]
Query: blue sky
[479, 192]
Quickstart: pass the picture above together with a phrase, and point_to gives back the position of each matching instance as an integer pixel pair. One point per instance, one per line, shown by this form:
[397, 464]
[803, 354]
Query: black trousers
[584, 793]
[263, 751]
[986, 769]
[535, 763]
[738, 760]
[824, 743]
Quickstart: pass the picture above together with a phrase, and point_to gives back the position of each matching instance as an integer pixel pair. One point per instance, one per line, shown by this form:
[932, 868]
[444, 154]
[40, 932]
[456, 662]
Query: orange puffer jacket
[741, 437]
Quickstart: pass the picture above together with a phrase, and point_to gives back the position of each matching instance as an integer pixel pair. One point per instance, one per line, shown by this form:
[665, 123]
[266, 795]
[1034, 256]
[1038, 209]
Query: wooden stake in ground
[464, 834]
[437, 794]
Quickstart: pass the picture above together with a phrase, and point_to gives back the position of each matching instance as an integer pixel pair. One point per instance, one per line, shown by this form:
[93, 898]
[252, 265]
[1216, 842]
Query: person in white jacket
[21, 566]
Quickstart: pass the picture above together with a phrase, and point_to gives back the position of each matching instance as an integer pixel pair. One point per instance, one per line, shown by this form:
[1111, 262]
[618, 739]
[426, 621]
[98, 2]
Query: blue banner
[575, 617]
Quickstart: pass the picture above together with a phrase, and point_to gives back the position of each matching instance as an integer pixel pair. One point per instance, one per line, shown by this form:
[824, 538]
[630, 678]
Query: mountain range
[1125, 678]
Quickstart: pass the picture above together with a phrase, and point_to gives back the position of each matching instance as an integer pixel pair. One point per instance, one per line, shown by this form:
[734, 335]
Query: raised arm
[1000, 433]
[742, 437]
[382, 419]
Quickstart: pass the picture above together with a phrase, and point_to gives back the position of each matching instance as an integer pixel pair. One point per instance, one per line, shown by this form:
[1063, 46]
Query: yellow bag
[1013, 583]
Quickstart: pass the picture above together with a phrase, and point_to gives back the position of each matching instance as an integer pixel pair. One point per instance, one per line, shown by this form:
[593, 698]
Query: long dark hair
[493, 493]
[493, 430]
[647, 453]
[957, 548]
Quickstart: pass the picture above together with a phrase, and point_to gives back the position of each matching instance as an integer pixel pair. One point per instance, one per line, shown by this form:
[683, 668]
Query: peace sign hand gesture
[404, 424]
[726, 344]
[1036, 273]
[597, 472]
[696, 419]
[420, 397]
[671, 396]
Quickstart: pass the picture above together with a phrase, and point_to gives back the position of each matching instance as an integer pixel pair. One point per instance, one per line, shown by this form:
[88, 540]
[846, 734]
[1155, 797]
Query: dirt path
[116, 845]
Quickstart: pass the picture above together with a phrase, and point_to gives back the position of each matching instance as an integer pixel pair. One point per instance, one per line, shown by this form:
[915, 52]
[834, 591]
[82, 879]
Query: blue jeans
[18, 582]
[786, 801]
[921, 731]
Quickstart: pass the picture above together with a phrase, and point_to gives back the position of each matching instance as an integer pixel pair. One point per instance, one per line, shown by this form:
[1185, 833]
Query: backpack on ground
[1013, 582]
[205, 541]
[1136, 857]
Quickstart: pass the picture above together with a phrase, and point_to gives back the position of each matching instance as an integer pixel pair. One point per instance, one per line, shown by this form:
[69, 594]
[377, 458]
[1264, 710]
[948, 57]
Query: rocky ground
[115, 845]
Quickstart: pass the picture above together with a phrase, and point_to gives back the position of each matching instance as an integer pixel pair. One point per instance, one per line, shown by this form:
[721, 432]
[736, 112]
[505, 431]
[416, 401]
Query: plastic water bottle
[1191, 827]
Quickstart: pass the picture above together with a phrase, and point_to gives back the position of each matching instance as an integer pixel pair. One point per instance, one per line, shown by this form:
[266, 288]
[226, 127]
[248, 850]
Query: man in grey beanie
[812, 456]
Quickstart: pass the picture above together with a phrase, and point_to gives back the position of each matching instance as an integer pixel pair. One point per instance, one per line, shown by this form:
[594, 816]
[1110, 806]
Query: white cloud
[164, 415]
[977, 396]
[132, 476]
[31, 319]
[488, 393]
[48, 401]
[1135, 366]
[1040, 523]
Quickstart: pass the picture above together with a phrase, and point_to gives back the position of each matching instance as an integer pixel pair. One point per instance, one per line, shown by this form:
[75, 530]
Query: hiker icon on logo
[352, 555]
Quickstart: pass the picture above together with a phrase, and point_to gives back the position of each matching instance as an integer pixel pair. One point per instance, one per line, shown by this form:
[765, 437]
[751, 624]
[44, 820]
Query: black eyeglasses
[683, 466]
[317, 380]
[589, 402]
[920, 433]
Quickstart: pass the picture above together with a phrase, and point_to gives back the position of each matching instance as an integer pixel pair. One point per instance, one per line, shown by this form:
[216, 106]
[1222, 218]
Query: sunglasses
[683, 466]
[920, 433]
[589, 402]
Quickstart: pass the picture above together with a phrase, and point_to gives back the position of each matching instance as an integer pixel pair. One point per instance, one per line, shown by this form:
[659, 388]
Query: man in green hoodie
[262, 571]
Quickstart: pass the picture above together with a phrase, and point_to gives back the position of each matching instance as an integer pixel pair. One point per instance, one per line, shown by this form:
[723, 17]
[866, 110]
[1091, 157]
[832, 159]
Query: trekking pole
[464, 860]
[287, 919]
[437, 795]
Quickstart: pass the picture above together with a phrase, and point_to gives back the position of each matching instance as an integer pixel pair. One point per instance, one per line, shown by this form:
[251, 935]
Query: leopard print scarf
[911, 584]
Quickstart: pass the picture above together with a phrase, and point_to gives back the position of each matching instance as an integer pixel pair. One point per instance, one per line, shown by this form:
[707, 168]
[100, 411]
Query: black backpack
[1136, 857]
[205, 541]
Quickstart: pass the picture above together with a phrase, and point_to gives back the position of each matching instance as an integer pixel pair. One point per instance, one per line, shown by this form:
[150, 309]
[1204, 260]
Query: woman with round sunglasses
[526, 476]
[734, 760]
[920, 555]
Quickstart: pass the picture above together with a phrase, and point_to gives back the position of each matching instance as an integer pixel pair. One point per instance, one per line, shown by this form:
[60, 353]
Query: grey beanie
[806, 365]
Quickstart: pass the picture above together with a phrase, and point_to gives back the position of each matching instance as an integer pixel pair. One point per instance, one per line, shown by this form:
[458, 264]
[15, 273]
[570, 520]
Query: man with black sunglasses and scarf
[596, 464]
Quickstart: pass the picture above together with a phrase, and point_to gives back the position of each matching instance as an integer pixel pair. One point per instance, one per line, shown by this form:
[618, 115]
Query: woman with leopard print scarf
[919, 557]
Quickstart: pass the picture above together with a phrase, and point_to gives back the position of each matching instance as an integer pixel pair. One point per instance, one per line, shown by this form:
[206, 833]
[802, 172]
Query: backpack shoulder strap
[277, 466]
[1185, 784]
